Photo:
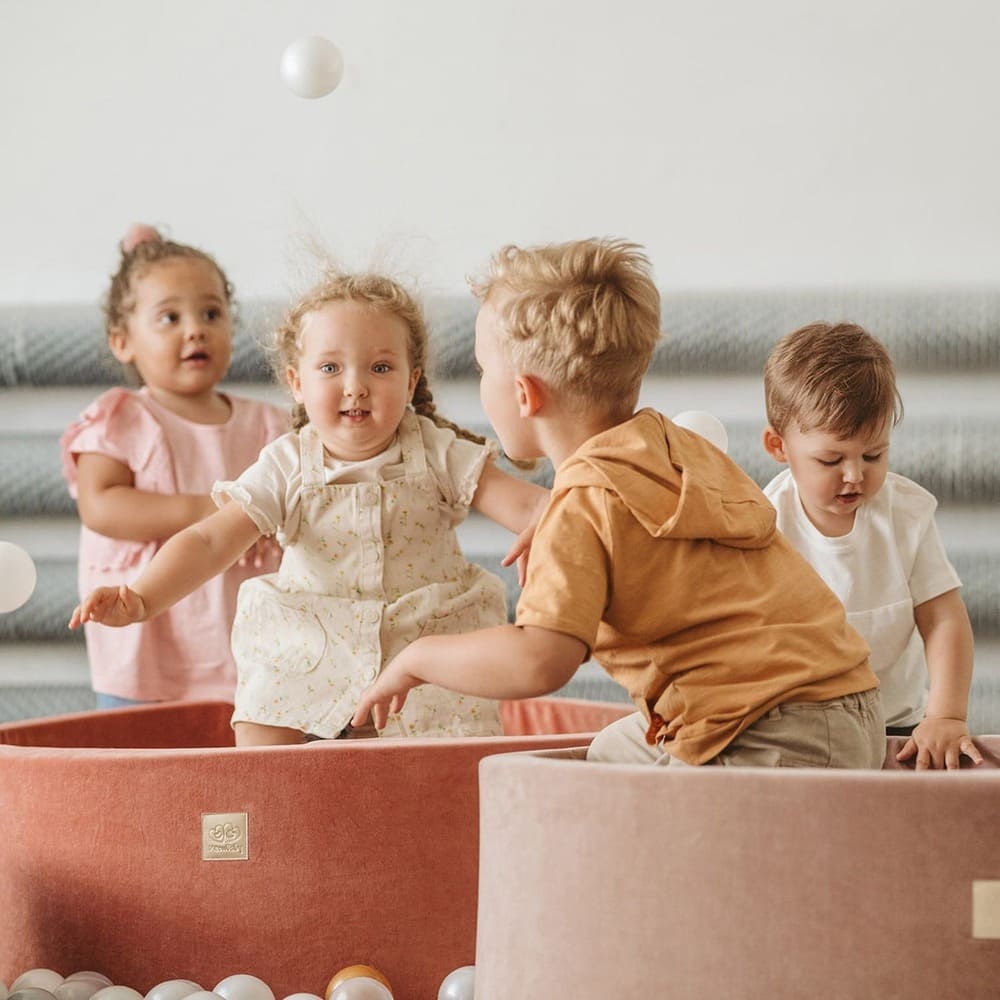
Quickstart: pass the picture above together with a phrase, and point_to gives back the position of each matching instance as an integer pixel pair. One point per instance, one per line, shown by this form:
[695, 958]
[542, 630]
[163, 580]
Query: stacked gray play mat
[946, 344]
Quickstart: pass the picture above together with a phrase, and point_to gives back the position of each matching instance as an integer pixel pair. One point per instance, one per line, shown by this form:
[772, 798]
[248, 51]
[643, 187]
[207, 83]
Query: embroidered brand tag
[224, 837]
[986, 908]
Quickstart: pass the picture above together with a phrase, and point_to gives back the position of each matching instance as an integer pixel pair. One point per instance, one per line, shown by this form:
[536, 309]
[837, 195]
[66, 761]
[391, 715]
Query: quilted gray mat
[720, 332]
[44, 616]
[953, 457]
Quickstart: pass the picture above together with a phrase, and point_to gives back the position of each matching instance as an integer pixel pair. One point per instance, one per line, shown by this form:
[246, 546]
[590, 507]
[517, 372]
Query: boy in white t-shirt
[831, 398]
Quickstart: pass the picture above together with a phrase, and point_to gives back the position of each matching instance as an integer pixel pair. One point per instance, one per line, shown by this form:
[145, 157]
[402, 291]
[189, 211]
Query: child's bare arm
[507, 661]
[189, 559]
[508, 500]
[110, 504]
[943, 736]
[514, 503]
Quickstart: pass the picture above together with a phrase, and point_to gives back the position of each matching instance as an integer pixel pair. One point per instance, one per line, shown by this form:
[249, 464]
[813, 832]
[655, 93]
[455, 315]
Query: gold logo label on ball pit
[986, 908]
[224, 837]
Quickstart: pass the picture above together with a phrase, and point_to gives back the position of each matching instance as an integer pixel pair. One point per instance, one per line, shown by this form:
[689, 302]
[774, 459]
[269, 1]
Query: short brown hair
[583, 315]
[834, 377]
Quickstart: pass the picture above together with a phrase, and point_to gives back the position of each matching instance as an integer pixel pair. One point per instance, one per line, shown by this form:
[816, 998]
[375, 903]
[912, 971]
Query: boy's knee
[624, 742]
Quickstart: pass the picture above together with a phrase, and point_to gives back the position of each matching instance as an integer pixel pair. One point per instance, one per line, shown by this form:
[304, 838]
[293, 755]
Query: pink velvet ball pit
[601, 880]
[359, 851]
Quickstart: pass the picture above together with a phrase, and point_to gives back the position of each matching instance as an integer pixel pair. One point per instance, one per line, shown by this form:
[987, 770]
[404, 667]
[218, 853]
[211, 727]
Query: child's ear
[414, 379]
[294, 383]
[120, 346]
[774, 444]
[530, 395]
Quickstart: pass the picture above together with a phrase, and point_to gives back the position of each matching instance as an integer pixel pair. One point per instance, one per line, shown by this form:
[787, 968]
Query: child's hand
[519, 552]
[940, 743]
[263, 553]
[387, 694]
[115, 606]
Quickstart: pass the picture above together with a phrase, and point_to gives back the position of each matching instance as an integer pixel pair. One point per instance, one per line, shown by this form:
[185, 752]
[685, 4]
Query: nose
[853, 471]
[195, 329]
[356, 386]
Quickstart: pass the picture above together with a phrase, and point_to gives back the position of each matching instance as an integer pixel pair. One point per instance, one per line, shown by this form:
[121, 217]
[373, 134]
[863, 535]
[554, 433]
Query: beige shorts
[843, 732]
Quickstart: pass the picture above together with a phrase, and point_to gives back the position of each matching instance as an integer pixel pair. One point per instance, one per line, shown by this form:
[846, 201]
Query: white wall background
[772, 142]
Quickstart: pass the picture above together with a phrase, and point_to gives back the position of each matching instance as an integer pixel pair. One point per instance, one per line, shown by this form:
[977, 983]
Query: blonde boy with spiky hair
[656, 553]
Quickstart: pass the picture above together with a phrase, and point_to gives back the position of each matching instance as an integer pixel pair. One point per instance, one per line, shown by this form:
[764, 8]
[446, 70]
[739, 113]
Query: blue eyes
[379, 368]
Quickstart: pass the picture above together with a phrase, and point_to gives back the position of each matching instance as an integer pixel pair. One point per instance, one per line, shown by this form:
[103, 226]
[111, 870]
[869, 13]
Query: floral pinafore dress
[374, 566]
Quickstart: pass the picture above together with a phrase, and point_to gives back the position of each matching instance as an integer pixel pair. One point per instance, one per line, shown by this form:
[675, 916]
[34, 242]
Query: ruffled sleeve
[268, 492]
[455, 463]
[117, 425]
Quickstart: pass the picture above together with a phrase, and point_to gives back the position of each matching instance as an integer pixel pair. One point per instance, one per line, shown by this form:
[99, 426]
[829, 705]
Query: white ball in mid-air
[312, 66]
[17, 583]
[709, 427]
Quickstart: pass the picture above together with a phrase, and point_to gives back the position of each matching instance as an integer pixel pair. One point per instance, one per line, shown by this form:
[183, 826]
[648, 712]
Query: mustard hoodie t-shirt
[662, 555]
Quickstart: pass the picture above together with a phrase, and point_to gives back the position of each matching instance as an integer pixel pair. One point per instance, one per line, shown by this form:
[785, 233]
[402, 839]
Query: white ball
[42, 979]
[97, 977]
[312, 66]
[709, 427]
[459, 985]
[360, 988]
[31, 993]
[303, 996]
[173, 989]
[17, 583]
[117, 993]
[243, 986]
[77, 989]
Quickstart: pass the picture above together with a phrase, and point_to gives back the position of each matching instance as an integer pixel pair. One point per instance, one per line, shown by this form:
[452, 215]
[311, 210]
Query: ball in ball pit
[459, 985]
[30, 993]
[361, 988]
[243, 987]
[42, 979]
[173, 989]
[357, 972]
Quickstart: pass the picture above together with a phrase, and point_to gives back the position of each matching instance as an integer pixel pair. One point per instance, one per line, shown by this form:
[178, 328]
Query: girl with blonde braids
[364, 496]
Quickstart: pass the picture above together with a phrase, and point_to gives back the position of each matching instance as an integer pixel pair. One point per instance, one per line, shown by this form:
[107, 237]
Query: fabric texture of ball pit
[358, 851]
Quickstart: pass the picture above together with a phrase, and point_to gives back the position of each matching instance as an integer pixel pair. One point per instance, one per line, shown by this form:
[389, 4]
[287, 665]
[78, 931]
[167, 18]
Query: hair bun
[138, 233]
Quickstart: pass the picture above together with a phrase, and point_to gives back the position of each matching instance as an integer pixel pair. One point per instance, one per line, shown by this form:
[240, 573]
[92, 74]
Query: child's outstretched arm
[508, 661]
[514, 503]
[189, 559]
[110, 504]
[943, 736]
